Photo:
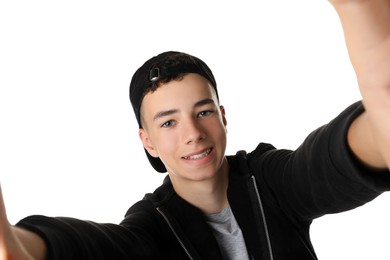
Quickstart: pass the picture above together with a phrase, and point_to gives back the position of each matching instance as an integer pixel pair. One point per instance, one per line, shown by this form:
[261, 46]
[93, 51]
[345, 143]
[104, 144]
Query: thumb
[4, 224]
[5, 230]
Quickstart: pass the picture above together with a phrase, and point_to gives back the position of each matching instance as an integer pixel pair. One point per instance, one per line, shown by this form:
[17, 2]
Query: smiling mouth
[198, 156]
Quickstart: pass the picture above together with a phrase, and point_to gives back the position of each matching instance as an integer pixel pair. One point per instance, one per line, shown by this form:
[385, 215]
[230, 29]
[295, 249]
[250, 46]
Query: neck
[210, 195]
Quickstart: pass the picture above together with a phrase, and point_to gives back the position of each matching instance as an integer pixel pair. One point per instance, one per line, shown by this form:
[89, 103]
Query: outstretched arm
[366, 25]
[16, 243]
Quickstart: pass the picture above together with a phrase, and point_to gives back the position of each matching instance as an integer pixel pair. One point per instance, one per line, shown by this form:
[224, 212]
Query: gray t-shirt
[228, 235]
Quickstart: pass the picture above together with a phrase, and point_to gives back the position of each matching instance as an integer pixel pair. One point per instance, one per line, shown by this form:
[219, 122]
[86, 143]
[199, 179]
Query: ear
[146, 142]
[222, 109]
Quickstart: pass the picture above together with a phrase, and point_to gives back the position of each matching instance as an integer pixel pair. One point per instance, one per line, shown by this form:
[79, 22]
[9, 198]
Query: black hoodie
[274, 195]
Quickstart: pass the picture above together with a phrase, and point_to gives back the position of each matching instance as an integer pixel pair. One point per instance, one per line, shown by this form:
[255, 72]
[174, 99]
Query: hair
[171, 61]
[158, 83]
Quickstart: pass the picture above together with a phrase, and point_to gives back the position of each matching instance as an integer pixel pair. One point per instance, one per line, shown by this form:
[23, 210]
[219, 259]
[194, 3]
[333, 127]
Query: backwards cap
[161, 68]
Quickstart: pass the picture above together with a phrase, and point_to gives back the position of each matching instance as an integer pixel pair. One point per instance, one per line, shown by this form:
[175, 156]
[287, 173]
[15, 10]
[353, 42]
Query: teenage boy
[256, 205]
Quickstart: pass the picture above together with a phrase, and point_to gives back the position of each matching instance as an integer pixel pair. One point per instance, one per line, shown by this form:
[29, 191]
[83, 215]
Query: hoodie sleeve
[322, 175]
[70, 238]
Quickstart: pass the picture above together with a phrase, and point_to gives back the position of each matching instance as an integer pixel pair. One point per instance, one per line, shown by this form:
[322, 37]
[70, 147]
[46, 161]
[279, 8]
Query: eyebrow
[164, 113]
[203, 102]
[173, 111]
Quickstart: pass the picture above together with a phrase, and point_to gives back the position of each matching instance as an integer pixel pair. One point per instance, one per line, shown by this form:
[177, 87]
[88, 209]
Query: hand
[366, 25]
[11, 246]
[367, 33]
[346, 1]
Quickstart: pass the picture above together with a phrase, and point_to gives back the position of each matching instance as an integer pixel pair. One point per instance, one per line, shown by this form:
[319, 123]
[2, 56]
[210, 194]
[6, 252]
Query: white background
[68, 137]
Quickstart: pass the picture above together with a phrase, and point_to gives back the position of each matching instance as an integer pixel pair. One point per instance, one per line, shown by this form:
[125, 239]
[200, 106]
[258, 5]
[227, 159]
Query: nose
[193, 131]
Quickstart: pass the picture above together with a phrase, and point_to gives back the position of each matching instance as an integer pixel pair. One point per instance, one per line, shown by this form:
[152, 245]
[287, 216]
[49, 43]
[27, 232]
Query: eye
[167, 124]
[205, 113]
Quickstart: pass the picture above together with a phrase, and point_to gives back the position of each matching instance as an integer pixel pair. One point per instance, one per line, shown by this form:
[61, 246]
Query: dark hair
[175, 60]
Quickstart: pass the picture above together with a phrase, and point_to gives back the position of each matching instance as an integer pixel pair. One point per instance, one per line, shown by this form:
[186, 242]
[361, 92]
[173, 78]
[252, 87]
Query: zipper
[263, 216]
[175, 233]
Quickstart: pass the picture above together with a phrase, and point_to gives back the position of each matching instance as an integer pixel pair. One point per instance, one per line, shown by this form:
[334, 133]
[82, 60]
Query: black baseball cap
[162, 68]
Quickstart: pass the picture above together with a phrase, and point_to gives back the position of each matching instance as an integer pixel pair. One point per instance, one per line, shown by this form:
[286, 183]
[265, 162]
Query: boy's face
[185, 126]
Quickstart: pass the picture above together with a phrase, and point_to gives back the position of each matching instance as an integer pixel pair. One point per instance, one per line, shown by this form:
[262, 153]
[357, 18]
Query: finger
[3, 215]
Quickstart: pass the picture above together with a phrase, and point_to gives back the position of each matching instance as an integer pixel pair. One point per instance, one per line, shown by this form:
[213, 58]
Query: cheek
[166, 144]
[218, 133]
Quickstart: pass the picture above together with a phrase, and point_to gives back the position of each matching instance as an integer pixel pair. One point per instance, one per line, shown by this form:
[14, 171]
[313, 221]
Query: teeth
[198, 156]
